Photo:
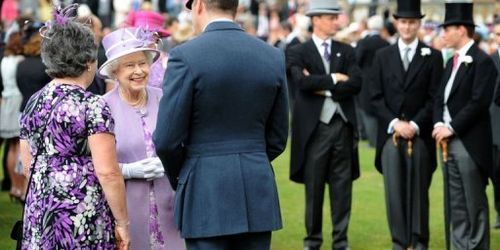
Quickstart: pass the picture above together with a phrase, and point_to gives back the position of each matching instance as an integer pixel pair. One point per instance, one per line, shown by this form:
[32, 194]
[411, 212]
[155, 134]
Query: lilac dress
[150, 203]
[65, 207]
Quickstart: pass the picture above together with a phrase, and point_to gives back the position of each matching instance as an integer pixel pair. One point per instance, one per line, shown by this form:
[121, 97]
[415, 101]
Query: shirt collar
[463, 51]
[413, 45]
[319, 42]
[217, 20]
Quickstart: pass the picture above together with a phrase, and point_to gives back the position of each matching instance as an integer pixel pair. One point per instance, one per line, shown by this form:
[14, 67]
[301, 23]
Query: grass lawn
[368, 227]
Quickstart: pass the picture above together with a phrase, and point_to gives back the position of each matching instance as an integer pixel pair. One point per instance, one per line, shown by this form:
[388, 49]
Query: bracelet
[122, 224]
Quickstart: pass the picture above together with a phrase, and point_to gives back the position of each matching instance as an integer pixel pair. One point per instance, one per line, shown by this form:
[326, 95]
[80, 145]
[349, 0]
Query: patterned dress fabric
[65, 207]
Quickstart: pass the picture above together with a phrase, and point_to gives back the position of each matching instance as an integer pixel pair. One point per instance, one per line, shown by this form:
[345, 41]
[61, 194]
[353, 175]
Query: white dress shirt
[411, 53]
[403, 46]
[462, 53]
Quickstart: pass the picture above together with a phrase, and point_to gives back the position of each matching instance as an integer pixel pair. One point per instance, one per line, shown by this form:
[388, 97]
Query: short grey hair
[67, 48]
[113, 65]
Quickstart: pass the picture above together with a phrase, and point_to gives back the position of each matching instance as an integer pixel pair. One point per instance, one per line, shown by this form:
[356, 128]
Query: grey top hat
[323, 7]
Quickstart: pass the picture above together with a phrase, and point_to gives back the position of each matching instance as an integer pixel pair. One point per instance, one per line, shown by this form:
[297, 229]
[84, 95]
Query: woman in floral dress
[76, 197]
[134, 106]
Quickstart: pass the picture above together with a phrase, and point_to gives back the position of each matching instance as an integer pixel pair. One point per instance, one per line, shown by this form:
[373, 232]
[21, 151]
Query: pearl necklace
[141, 101]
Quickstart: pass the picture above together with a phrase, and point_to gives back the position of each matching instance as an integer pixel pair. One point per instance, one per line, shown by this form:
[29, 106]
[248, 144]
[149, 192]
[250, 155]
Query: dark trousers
[370, 126]
[6, 182]
[466, 203]
[496, 177]
[245, 241]
[328, 160]
[407, 178]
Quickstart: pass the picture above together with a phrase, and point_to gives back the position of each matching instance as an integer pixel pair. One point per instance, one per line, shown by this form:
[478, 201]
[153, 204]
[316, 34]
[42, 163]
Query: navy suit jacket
[222, 119]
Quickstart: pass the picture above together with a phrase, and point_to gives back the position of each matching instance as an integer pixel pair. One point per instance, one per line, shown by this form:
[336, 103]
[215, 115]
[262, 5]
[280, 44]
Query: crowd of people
[124, 122]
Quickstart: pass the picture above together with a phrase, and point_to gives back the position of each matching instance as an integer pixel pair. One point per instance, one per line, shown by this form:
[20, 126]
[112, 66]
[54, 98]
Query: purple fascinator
[61, 16]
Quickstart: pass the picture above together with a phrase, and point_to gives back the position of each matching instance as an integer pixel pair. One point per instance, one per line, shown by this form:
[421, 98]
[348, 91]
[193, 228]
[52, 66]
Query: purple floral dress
[65, 207]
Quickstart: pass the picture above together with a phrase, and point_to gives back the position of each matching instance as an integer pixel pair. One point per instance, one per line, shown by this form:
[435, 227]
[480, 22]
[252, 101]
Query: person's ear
[199, 5]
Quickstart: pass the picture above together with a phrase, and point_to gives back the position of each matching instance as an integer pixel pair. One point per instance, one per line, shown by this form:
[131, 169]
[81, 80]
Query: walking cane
[409, 187]
[443, 144]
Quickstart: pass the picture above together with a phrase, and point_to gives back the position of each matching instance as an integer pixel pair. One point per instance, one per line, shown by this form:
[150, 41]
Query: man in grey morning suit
[222, 119]
[462, 126]
[324, 130]
[405, 78]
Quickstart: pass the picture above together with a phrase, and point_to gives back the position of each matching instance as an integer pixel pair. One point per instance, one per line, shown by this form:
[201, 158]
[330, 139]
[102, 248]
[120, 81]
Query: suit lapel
[447, 72]
[496, 59]
[415, 65]
[462, 70]
[395, 64]
[316, 60]
[335, 57]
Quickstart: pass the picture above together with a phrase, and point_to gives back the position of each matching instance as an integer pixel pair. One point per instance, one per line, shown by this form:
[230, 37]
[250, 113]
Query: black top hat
[408, 9]
[458, 13]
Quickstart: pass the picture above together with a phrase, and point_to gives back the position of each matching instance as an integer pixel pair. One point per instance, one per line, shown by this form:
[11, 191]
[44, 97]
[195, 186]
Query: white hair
[113, 65]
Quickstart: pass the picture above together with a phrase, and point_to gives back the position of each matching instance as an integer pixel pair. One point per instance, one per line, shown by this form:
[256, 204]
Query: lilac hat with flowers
[125, 41]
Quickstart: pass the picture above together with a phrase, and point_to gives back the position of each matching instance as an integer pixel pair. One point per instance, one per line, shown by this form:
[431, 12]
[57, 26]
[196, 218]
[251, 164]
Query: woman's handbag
[17, 233]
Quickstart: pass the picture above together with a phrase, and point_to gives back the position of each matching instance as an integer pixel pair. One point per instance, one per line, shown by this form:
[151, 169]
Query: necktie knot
[326, 53]
[455, 61]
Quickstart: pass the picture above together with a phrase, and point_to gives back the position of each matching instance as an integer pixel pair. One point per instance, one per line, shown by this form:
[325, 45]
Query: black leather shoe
[311, 248]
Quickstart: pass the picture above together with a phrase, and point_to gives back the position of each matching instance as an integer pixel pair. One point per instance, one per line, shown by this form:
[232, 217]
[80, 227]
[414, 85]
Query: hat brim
[457, 22]
[103, 70]
[319, 12]
[412, 16]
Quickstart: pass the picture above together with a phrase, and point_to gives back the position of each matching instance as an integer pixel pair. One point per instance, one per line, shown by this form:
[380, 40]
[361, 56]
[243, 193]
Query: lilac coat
[130, 148]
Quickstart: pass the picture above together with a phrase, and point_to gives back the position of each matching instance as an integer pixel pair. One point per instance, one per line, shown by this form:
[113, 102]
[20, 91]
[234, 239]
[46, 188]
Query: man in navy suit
[222, 119]
[462, 126]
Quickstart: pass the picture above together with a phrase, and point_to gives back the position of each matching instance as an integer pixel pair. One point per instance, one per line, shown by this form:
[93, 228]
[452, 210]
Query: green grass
[368, 227]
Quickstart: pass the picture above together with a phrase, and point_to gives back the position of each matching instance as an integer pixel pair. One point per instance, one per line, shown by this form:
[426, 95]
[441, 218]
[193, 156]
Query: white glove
[159, 170]
[149, 168]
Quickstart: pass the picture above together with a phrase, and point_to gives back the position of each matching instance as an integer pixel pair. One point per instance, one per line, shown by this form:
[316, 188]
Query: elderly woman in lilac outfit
[134, 107]
[152, 22]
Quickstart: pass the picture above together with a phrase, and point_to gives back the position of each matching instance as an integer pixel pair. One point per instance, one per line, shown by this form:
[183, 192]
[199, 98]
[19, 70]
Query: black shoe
[311, 248]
